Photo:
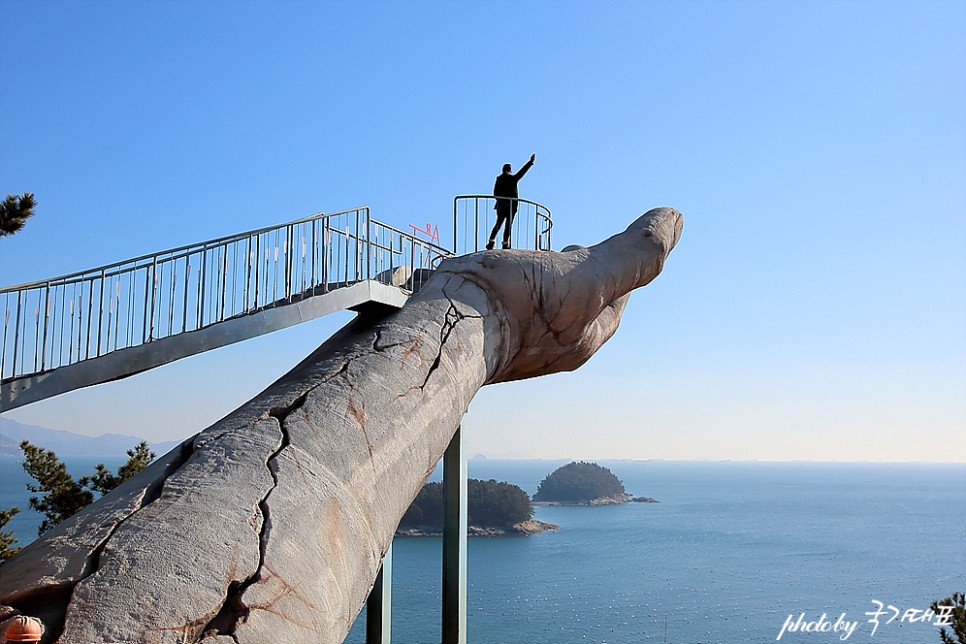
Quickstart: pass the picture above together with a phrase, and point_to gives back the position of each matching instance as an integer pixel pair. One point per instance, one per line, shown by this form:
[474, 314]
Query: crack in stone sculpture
[271, 524]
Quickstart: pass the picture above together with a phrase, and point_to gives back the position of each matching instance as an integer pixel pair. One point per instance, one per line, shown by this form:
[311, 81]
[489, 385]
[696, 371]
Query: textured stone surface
[270, 525]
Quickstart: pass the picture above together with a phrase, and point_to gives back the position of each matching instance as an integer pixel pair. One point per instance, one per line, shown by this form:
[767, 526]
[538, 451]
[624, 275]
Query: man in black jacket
[505, 191]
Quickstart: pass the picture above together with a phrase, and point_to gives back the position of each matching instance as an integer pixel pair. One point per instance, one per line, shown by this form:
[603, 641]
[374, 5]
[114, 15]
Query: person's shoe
[489, 245]
[506, 246]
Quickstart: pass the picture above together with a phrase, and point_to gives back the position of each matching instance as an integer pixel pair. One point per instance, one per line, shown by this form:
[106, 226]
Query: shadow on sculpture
[270, 525]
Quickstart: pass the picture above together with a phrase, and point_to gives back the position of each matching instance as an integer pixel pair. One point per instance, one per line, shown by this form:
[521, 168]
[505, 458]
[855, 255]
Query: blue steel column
[379, 605]
[454, 541]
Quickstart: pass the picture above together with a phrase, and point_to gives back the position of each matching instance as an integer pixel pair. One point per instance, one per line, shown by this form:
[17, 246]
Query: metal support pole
[379, 604]
[456, 235]
[454, 541]
[369, 273]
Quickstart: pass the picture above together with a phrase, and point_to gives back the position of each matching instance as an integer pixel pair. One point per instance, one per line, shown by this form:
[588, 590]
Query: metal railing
[475, 215]
[61, 321]
[396, 257]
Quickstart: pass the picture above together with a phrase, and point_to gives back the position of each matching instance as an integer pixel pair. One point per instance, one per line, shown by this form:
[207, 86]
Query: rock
[535, 527]
[397, 276]
[644, 499]
[524, 528]
[611, 500]
[603, 500]
[270, 525]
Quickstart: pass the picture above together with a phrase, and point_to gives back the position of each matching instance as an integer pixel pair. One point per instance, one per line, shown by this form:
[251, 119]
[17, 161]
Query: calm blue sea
[732, 551]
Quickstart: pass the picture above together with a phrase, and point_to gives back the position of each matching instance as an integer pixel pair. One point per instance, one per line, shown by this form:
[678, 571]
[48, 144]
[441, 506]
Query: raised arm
[526, 166]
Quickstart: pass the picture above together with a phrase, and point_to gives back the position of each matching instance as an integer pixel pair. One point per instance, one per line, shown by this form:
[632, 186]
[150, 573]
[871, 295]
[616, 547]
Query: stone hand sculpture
[270, 525]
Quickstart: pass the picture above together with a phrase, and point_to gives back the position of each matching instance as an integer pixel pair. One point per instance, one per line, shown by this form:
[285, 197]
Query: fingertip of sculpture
[665, 223]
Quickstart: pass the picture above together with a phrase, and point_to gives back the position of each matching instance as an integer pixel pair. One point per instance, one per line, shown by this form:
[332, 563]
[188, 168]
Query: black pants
[503, 216]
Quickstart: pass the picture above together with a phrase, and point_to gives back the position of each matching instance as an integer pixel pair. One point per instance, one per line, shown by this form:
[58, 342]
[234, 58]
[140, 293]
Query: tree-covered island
[583, 484]
[494, 509]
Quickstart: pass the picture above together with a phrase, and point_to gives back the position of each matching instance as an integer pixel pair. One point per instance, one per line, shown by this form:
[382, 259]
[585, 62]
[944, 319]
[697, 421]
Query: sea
[735, 552]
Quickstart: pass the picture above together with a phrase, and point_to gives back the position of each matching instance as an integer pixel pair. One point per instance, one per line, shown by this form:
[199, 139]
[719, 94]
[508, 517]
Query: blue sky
[815, 307]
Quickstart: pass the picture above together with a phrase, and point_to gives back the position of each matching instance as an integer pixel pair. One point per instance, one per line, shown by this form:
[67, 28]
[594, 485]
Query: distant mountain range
[69, 444]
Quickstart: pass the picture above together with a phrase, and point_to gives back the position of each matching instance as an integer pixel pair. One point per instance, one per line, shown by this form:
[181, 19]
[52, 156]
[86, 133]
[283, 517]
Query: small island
[584, 484]
[493, 509]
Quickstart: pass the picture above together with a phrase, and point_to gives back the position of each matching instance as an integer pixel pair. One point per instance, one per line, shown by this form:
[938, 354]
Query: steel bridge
[118, 320]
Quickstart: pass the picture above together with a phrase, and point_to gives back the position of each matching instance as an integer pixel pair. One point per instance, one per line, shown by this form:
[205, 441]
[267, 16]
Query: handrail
[177, 249]
[91, 313]
[474, 216]
[429, 245]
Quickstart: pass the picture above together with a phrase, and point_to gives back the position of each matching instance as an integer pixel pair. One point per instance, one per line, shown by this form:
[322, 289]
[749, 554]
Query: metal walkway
[115, 321]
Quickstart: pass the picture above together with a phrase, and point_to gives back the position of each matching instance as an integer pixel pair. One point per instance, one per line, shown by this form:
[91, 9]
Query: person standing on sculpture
[506, 193]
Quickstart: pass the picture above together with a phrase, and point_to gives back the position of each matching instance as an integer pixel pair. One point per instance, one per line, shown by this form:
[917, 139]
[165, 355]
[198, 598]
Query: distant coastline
[69, 444]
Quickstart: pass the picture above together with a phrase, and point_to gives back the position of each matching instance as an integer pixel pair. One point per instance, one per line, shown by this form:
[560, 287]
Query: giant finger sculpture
[270, 525]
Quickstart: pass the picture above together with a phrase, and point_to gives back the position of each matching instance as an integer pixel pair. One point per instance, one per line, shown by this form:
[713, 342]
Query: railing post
[454, 541]
[348, 249]
[287, 256]
[100, 316]
[154, 296]
[43, 350]
[90, 313]
[3, 347]
[171, 296]
[315, 256]
[476, 224]
[16, 335]
[248, 273]
[223, 289]
[326, 244]
[201, 287]
[536, 229]
[456, 238]
[369, 273]
[379, 605]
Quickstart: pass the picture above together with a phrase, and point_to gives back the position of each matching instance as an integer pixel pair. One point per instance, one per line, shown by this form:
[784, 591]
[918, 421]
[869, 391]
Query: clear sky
[815, 307]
